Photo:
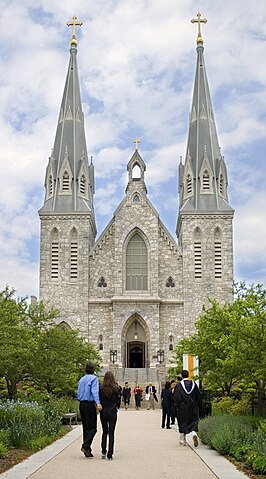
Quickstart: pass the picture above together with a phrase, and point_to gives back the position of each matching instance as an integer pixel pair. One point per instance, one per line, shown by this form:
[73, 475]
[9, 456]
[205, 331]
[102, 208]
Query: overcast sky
[136, 63]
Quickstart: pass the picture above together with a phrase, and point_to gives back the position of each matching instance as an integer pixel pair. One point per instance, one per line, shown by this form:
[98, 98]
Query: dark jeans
[89, 422]
[108, 420]
[165, 416]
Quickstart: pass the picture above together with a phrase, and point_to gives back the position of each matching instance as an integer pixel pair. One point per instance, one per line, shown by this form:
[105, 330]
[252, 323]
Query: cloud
[136, 64]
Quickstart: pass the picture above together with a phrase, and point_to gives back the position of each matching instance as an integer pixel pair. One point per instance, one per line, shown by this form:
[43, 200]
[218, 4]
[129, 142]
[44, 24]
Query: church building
[135, 291]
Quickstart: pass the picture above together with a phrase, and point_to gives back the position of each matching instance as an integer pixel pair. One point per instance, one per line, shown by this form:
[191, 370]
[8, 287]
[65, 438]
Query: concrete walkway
[142, 449]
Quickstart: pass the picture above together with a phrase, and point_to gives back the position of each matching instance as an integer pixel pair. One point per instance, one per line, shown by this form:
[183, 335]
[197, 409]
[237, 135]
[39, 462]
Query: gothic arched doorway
[135, 337]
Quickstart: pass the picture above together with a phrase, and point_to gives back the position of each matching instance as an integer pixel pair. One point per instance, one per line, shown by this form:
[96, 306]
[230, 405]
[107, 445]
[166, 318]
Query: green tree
[60, 357]
[33, 345]
[16, 341]
[230, 341]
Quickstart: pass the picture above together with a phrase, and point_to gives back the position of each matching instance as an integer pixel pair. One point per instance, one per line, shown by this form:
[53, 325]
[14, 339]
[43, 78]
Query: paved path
[142, 449]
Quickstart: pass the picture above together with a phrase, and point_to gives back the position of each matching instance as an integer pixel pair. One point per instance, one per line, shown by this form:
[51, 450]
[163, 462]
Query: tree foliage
[230, 341]
[34, 346]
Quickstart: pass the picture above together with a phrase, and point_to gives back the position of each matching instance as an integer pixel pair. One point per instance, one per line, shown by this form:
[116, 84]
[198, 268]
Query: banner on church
[191, 363]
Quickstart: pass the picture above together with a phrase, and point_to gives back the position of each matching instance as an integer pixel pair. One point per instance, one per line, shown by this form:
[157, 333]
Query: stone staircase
[138, 375]
[142, 376]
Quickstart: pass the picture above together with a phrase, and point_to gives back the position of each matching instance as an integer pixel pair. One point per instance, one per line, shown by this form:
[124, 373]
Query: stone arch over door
[135, 342]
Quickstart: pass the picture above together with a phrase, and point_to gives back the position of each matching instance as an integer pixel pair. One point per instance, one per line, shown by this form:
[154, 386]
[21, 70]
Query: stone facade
[135, 292]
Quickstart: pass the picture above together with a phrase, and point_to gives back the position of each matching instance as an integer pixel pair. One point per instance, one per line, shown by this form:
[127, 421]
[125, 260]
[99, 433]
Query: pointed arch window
[65, 181]
[64, 325]
[73, 254]
[206, 181]
[136, 198]
[100, 342]
[189, 184]
[197, 254]
[136, 264]
[82, 185]
[136, 172]
[217, 254]
[55, 254]
[171, 339]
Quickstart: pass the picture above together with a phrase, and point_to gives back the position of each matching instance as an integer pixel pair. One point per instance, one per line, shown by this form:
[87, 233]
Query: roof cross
[199, 21]
[136, 141]
[74, 24]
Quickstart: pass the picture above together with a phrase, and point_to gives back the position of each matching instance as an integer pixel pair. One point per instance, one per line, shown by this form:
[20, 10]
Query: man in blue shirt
[88, 397]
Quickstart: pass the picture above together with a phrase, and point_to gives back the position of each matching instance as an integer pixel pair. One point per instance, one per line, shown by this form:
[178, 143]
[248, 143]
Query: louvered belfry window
[197, 255]
[50, 188]
[74, 255]
[221, 184]
[55, 255]
[217, 255]
[206, 181]
[65, 183]
[189, 184]
[82, 184]
[136, 264]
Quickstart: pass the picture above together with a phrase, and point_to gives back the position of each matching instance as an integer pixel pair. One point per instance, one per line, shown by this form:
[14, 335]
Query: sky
[136, 62]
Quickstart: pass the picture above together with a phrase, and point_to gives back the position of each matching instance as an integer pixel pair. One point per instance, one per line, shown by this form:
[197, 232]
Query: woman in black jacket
[166, 405]
[110, 401]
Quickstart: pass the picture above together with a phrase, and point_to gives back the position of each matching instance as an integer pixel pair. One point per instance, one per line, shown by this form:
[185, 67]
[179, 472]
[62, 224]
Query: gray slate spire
[69, 178]
[203, 178]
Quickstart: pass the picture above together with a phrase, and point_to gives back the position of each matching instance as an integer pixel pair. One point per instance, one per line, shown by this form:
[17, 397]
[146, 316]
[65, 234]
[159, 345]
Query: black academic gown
[187, 400]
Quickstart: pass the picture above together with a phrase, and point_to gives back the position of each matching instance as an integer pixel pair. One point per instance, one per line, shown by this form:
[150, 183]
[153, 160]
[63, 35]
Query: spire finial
[199, 21]
[136, 141]
[74, 24]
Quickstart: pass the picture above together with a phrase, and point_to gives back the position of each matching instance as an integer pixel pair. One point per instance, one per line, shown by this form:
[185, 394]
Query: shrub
[229, 405]
[3, 450]
[39, 443]
[27, 420]
[242, 437]
[5, 437]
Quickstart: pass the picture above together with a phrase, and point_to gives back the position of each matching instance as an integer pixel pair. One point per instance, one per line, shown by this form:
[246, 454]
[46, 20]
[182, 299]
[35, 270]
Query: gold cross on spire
[74, 24]
[199, 21]
[137, 141]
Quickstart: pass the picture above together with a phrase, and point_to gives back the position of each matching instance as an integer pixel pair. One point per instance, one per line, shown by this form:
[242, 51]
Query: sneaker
[86, 452]
[103, 456]
[195, 440]
[109, 458]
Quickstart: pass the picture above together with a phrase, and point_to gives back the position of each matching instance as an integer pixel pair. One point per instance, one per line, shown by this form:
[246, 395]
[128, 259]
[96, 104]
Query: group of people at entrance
[181, 400]
[150, 395]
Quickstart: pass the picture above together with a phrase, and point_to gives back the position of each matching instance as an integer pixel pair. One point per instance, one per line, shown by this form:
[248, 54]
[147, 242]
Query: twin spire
[70, 177]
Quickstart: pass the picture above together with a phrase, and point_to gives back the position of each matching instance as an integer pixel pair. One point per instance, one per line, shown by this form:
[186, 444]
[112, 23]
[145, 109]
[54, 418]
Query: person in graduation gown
[187, 400]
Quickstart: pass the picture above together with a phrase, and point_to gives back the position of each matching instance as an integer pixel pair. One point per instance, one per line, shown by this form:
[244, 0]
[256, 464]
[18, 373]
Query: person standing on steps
[137, 392]
[151, 395]
[88, 397]
[187, 400]
[126, 393]
[110, 398]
